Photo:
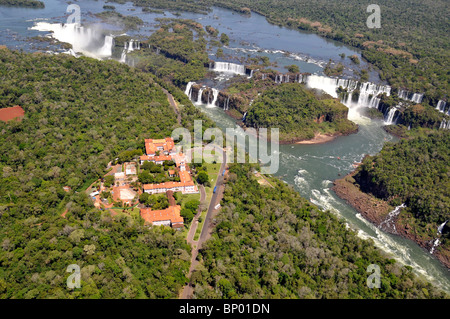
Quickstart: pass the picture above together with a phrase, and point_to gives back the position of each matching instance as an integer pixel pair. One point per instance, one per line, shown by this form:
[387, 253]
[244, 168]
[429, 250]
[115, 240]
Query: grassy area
[200, 225]
[213, 173]
[86, 184]
[188, 197]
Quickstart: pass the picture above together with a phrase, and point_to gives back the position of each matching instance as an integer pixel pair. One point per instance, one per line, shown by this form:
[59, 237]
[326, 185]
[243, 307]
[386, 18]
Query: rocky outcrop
[376, 210]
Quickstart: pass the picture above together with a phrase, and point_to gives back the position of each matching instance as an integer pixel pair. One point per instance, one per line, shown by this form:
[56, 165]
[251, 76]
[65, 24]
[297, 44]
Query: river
[309, 168]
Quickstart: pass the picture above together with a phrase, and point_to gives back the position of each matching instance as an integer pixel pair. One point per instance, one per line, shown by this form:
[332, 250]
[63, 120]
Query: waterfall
[287, 78]
[441, 227]
[227, 104]
[390, 117]
[199, 98]
[435, 244]
[389, 223]
[368, 92]
[444, 125]
[403, 94]
[416, 97]
[123, 57]
[215, 96]
[188, 90]
[229, 68]
[263, 76]
[441, 106]
[83, 39]
[436, 241]
[106, 49]
[251, 74]
[243, 118]
[130, 46]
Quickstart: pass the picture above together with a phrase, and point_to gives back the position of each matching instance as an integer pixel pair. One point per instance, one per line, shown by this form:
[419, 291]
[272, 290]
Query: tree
[224, 39]
[187, 214]
[146, 178]
[203, 178]
[293, 68]
[109, 180]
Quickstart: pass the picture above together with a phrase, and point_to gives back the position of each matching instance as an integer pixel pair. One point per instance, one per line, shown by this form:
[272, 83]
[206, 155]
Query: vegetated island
[23, 3]
[116, 18]
[302, 115]
[412, 172]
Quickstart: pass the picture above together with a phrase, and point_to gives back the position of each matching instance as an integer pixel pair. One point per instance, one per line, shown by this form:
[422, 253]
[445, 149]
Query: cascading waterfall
[228, 67]
[441, 106]
[130, 46]
[405, 95]
[251, 74]
[437, 241]
[123, 57]
[199, 98]
[417, 98]
[368, 92]
[106, 49]
[215, 96]
[244, 117]
[441, 227]
[389, 223]
[390, 116]
[226, 105]
[444, 125]
[188, 90]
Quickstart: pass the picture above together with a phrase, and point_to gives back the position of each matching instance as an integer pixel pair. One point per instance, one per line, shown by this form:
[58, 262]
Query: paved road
[188, 290]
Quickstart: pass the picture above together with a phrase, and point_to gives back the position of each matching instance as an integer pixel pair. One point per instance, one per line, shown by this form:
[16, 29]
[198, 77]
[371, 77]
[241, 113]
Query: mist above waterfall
[90, 40]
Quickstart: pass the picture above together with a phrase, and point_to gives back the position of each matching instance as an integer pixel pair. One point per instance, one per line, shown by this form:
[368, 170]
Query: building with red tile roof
[11, 113]
[165, 146]
[166, 217]
[155, 159]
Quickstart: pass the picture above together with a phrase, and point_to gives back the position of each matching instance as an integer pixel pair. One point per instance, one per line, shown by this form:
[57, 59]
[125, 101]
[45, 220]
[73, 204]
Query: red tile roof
[151, 145]
[9, 113]
[172, 213]
[161, 158]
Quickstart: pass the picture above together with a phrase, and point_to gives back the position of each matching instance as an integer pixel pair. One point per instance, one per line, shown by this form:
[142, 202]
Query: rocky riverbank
[376, 211]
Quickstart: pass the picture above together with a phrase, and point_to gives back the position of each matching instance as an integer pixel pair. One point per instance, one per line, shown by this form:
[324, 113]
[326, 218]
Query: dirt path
[173, 103]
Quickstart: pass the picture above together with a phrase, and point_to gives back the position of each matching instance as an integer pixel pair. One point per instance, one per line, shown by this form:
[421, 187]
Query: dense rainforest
[80, 113]
[299, 113]
[269, 242]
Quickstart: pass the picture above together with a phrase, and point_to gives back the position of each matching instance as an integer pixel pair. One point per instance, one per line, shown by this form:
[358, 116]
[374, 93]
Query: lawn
[213, 173]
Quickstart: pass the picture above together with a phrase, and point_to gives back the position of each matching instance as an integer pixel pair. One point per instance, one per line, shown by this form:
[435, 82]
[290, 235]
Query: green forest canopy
[272, 243]
[298, 113]
[80, 114]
